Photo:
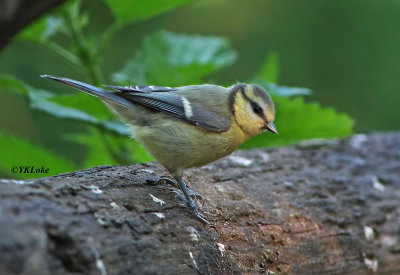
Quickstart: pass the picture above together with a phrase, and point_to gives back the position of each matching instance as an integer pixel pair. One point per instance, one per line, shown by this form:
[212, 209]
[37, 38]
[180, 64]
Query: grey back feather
[197, 105]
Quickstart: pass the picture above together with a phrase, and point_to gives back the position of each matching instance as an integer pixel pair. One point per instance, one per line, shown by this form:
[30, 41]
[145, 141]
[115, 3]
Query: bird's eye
[257, 109]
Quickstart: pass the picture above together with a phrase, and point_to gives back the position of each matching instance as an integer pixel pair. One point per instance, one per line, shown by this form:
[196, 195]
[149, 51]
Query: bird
[188, 126]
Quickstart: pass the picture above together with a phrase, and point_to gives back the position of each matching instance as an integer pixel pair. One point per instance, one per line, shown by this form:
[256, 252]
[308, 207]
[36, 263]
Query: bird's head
[253, 109]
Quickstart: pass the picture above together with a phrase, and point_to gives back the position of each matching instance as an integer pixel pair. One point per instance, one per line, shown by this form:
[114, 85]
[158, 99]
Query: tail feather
[92, 90]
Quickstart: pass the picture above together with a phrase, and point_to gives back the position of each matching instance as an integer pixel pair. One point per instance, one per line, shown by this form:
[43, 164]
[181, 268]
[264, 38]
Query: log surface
[323, 207]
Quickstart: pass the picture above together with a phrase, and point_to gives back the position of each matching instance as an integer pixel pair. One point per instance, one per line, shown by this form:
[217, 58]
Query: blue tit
[188, 126]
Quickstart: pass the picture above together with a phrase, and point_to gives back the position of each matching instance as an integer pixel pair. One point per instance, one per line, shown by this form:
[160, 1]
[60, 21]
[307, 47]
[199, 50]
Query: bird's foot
[167, 180]
[195, 194]
[192, 206]
[192, 193]
[200, 217]
[187, 198]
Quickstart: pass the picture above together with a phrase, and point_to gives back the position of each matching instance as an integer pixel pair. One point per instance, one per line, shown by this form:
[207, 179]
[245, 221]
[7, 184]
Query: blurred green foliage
[135, 10]
[17, 152]
[171, 59]
[164, 58]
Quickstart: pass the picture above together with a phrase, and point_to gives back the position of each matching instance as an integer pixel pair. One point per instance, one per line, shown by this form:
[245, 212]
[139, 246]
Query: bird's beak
[271, 127]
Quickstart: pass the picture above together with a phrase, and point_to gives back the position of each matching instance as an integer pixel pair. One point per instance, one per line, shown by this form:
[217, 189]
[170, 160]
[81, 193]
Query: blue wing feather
[141, 89]
[163, 99]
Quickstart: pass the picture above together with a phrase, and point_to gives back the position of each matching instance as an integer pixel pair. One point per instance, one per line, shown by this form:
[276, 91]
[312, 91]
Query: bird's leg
[189, 201]
[191, 192]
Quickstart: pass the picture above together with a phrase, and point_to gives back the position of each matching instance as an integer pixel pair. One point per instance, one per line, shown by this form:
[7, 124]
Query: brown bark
[16, 14]
[319, 208]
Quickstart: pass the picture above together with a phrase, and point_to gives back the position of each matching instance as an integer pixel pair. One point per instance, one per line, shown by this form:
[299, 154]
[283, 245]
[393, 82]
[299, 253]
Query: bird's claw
[192, 193]
[191, 205]
[167, 180]
[200, 217]
[188, 200]
[195, 194]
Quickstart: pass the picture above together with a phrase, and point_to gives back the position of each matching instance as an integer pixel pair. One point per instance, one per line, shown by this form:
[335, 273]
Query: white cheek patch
[187, 107]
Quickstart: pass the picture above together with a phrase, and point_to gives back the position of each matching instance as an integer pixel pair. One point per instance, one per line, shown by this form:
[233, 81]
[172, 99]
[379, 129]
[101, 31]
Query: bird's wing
[179, 106]
[141, 89]
[165, 100]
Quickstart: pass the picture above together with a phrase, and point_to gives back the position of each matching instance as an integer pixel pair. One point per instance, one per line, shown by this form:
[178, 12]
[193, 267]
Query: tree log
[323, 207]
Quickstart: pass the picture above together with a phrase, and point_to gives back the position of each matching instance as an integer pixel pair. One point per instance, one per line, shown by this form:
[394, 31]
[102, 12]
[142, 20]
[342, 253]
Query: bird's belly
[181, 146]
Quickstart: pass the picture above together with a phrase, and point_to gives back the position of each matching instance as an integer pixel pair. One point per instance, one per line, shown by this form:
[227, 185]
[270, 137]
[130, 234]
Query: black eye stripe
[256, 108]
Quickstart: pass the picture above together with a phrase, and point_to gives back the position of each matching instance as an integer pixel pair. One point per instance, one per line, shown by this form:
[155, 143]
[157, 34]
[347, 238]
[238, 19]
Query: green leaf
[97, 153]
[42, 29]
[134, 72]
[77, 18]
[81, 101]
[268, 76]
[43, 101]
[172, 59]
[107, 148]
[135, 10]
[78, 107]
[297, 120]
[284, 91]
[69, 20]
[13, 84]
[280, 91]
[18, 152]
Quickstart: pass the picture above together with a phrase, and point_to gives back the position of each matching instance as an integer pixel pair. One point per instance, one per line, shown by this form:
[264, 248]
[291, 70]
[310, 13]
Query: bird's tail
[92, 90]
